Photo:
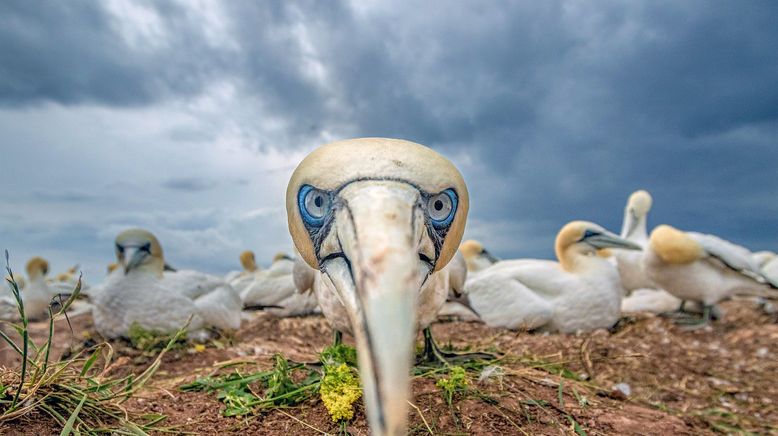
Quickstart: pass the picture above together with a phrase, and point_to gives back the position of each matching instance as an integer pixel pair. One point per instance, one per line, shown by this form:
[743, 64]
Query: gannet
[630, 262]
[702, 268]
[476, 256]
[580, 292]
[379, 219]
[276, 286]
[240, 279]
[141, 294]
[36, 295]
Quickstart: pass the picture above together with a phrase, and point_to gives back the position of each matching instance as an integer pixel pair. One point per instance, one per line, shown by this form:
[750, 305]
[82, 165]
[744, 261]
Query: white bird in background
[276, 286]
[702, 268]
[580, 292]
[476, 256]
[630, 262]
[142, 295]
[36, 295]
[642, 294]
[240, 279]
[377, 220]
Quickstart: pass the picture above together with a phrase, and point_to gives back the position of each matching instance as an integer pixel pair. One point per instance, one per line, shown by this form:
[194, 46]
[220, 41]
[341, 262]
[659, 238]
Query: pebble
[762, 352]
[621, 391]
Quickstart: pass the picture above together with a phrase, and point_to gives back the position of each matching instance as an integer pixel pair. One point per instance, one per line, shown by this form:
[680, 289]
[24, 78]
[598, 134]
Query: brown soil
[721, 379]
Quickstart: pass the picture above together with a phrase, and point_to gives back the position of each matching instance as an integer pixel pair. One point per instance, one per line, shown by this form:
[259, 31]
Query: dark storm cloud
[72, 52]
[558, 110]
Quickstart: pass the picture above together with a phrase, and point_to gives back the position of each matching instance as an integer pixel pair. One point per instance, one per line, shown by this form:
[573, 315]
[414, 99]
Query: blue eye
[314, 205]
[441, 208]
[589, 233]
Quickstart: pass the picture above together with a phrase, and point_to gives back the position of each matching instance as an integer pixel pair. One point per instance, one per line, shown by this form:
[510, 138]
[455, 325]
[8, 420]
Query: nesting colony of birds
[378, 226]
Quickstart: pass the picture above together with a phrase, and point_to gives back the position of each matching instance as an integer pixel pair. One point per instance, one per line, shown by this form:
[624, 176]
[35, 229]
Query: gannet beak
[133, 256]
[492, 258]
[609, 240]
[632, 224]
[378, 271]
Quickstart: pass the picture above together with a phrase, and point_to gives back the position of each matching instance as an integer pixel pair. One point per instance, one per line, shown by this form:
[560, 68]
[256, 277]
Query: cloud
[189, 184]
[189, 118]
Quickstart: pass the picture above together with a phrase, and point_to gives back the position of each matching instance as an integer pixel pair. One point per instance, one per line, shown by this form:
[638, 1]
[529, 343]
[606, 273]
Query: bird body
[142, 295]
[37, 293]
[276, 286]
[699, 267]
[580, 292]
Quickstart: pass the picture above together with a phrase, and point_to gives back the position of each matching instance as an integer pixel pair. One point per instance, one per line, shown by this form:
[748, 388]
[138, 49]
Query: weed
[75, 392]
[455, 383]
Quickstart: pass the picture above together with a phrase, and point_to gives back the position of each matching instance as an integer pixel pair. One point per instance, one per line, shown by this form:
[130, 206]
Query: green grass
[336, 383]
[76, 392]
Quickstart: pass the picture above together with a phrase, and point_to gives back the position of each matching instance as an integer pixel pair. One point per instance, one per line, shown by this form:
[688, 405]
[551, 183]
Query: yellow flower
[199, 348]
[339, 391]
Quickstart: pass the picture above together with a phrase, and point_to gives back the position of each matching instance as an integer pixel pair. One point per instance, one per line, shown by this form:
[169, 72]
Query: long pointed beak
[379, 280]
[133, 257]
[608, 240]
[490, 257]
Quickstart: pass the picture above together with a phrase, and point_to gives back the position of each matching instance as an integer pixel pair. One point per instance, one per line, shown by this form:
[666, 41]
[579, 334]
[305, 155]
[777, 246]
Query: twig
[303, 422]
[424, 420]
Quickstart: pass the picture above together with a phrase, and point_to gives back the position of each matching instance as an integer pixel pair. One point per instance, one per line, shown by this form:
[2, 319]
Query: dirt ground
[721, 379]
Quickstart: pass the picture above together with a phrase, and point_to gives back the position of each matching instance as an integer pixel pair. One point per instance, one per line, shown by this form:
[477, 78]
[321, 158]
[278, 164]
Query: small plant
[340, 390]
[76, 392]
[337, 383]
[456, 382]
[153, 341]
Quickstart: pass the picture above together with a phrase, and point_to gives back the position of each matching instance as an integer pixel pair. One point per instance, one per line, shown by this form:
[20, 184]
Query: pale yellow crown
[674, 246]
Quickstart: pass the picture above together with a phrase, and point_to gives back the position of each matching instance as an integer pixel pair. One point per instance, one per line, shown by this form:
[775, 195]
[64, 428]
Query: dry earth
[721, 379]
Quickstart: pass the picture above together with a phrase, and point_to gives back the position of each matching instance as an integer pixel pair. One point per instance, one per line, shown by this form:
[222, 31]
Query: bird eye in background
[441, 208]
[314, 205]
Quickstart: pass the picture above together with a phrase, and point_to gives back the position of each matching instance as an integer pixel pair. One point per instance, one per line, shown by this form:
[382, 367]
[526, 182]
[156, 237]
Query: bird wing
[544, 277]
[193, 284]
[732, 256]
[220, 308]
[503, 301]
[269, 290]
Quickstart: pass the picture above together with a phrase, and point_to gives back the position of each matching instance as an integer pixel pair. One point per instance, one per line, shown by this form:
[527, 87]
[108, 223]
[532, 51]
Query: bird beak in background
[378, 278]
[609, 240]
[133, 256]
[492, 258]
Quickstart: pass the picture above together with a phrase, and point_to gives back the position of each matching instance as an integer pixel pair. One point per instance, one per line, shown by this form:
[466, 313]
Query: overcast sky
[187, 117]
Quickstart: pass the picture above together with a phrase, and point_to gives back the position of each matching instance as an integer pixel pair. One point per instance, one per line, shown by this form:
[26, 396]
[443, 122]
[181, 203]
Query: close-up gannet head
[638, 206]
[674, 246]
[377, 217]
[138, 249]
[248, 261]
[585, 238]
[37, 267]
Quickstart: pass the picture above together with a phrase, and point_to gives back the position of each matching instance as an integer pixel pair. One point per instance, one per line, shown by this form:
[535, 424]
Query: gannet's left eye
[314, 205]
[441, 208]
[590, 233]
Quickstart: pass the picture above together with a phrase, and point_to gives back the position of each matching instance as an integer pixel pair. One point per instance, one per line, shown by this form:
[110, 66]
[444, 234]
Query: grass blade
[68, 428]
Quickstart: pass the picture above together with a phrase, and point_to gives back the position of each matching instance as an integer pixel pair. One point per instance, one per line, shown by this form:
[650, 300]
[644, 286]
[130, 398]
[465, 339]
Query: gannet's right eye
[314, 205]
